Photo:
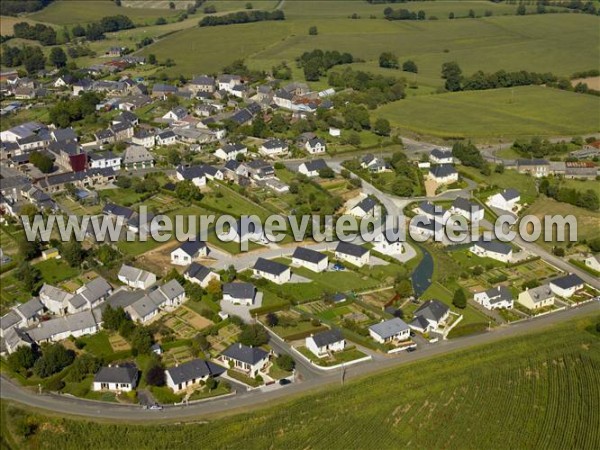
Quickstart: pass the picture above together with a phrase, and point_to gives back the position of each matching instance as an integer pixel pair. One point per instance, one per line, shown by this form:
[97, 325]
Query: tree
[202, 342]
[388, 60]
[187, 190]
[272, 319]
[451, 15]
[499, 168]
[249, 6]
[194, 292]
[410, 66]
[114, 318]
[286, 362]
[382, 127]
[23, 358]
[29, 210]
[41, 161]
[254, 336]
[141, 341]
[404, 288]
[452, 73]
[313, 31]
[471, 14]
[58, 57]
[160, 21]
[155, 375]
[214, 288]
[54, 358]
[327, 172]
[30, 276]
[211, 383]
[460, 299]
[73, 253]
[402, 187]
[173, 157]
[83, 365]
[521, 10]
[171, 5]
[152, 58]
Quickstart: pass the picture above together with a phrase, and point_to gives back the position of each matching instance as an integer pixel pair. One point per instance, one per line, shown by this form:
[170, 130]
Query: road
[315, 380]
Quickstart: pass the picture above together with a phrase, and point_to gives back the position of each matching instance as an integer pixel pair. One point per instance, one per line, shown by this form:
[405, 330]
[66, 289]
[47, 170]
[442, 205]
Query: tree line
[95, 30]
[469, 155]
[16, 7]
[403, 14]
[317, 62]
[31, 57]
[241, 17]
[584, 199]
[539, 148]
[367, 88]
[38, 32]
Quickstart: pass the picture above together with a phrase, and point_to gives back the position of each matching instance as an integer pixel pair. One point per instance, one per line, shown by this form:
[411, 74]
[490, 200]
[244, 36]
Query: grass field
[500, 113]
[534, 382]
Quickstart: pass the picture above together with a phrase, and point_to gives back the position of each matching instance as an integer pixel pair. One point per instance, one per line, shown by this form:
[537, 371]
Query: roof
[315, 165]
[144, 306]
[171, 289]
[196, 368]
[249, 355]
[441, 154]
[306, 254]
[494, 246]
[96, 289]
[499, 294]
[136, 153]
[432, 310]
[540, 293]
[389, 328]
[133, 273]
[532, 162]
[203, 80]
[432, 209]
[117, 374]
[315, 141]
[567, 282]
[510, 194]
[233, 148]
[239, 290]
[351, 249]
[192, 247]
[9, 319]
[31, 308]
[420, 322]
[465, 205]
[268, 266]
[119, 211]
[197, 271]
[327, 337]
[274, 143]
[367, 204]
[442, 170]
[54, 293]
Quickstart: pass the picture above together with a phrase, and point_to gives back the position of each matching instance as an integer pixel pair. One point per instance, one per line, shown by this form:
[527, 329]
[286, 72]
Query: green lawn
[525, 184]
[55, 270]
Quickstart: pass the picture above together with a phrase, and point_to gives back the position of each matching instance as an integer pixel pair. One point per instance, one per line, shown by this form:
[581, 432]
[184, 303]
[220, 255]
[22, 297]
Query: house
[162, 90]
[271, 270]
[202, 83]
[231, 151]
[386, 246]
[227, 82]
[468, 209]
[566, 286]
[443, 174]
[137, 157]
[136, 278]
[76, 325]
[29, 312]
[260, 170]
[9, 321]
[373, 164]
[54, 299]
[537, 297]
[506, 200]
[365, 208]
[239, 293]
[64, 81]
[277, 185]
[430, 316]
[593, 262]
[165, 138]
[352, 253]
[188, 252]
[283, 99]
[312, 168]
[103, 160]
[441, 156]
[144, 137]
[15, 338]
[199, 274]
[495, 298]
[176, 114]
[195, 174]
[191, 373]
[239, 232]
[104, 137]
[390, 330]
[250, 360]
[169, 295]
[273, 147]
[535, 167]
[492, 249]
[118, 212]
[325, 343]
[89, 296]
[315, 146]
[122, 130]
[433, 212]
[311, 259]
[51, 253]
[116, 378]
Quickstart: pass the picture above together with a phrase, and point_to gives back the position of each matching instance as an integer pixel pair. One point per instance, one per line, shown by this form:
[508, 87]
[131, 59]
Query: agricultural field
[558, 368]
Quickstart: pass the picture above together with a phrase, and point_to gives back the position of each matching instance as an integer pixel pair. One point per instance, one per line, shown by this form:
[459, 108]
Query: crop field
[500, 113]
[535, 383]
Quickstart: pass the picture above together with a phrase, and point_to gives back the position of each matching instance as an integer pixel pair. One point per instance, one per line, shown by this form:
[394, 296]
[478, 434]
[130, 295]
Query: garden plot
[177, 355]
[118, 343]
[185, 323]
[224, 338]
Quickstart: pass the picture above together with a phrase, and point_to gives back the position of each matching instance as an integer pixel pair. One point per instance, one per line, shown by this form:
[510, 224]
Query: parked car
[411, 349]
[284, 382]
[156, 407]
[337, 267]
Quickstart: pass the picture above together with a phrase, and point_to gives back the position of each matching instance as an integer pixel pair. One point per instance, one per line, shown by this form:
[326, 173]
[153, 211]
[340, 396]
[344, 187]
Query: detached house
[231, 151]
[469, 210]
[325, 343]
[191, 373]
[199, 274]
[116, 378]
[386, 246]
[365, 208]
[443, 174]
[566, 286]
[54, 299]
[144, 137]
[495, 298]
[273, 147]
[188, 252]
[137, 157]
[315, 146]
[493, 249]
[239, 293]
[311, 259]
[506, 200]
[430, 316]
[311, 168]
[390, 330]
[136, 278]
[202, 83]
[441, 156]
[271, 270]
[166, 138]
[103, 160]
[250, 360]
[352, 253]
[537, 297]
[176, 114]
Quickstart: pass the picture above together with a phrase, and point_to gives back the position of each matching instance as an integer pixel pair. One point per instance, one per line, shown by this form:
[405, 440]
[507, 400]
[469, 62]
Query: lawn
[55, 270]
[533, 382]
[525, 184]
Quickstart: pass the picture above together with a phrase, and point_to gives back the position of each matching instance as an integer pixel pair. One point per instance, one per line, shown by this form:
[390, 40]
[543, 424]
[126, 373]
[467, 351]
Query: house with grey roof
[199, 274]
[191, 373]
[118, 378]
[368, 206]
[90, 295]
[441, 156]
[537, 297]
[272, 270]
[231, 151]
[8, 321]
[443, 174]
[137, 157]
[76, 325]
[188, 252]
[136, 278]
[325, 343]
[239, 293]
[311, 259]
[169, 295]
[390, 330]
[13, 339]
[495, 298]
[507, 200]
[352, 253]
[273, 147]
[315, 146]
[469, 210]
[567, 285]
[249, 360]
[430, 316]
[497, 250]
[30, 311]
[311, 168]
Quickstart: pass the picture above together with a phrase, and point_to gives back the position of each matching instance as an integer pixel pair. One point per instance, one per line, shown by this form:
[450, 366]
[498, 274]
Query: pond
[422, 276]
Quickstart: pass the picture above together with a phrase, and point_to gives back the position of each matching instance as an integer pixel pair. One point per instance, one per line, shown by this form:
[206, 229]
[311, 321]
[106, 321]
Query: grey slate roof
[499, 294]
[96, 289]
[432, 310]
[30, 308]
[119, 211]
[272, 267]
[567, 282]
[440, 154]
[10, 319]
[389, 328]
[348, 248]
[510, 194]
[197, 368]
[126, 373]
[328, 337]
[442, 170]
[494, 246]
[239, 290]
[306, 254]
[192, 247]
[316, 165]
[367, 204]
[465, 205]
[249, 355]
[197, 271]
[540, 293]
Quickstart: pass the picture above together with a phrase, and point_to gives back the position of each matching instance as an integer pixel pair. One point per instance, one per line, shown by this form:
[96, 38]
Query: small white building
[136, 278]
[315, 146]
[239, 293]
[311, 259]
[188, 252]
[231, 151]
[390, 330]
[311, 168]
[352, 253]
[325, 343]
[492, 249]
[566, 286]
[199, 274]
[271, 270]
[495, 298]
[116, 378]
[506, 200]
[441, 156]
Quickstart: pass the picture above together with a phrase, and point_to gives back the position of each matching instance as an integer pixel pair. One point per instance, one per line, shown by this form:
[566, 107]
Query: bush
[285, 362]
[54, 384]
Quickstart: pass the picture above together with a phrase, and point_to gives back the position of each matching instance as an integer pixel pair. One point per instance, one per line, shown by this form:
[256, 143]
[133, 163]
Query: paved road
[242, 402]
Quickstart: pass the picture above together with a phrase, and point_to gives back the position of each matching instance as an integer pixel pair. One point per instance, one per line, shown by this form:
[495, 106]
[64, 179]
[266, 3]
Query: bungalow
[566, 286]
[231, 151]
[118, 212]
[325, 343]
[176, 114]
[492, 249]
[365, 208]
[103, 160]
[29, 312]
[311, 259]
[136, 278]
[383, 245]
[142, 310]
[506, 200]
[126, 117]
[260, 170]
[89, 295]
[169, 295]
[535, 167]
[468, 209]
[312, 168]
[199, 274]
[188, 252]
[315, 146]
[250, 360]
[352, 253]
[537, 297]
[116, 378]
[273, 147]
[137, 157]
[191, 373]
[239, 293]
[271, 270]
[443, 174]
[593, 262]
[441, 156]
[195, 174]
[167, 137]
[429, 316]
[390, 330]
[495, 298]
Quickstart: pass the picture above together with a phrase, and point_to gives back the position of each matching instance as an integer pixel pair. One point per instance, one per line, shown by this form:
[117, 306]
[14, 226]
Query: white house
[441, 156]
[188, 252]
[495, 298]
[76, 325]
[54, 299]
[433, 212]
[325, 343]
[231, 151]
[194, 174]
[239, 293]
[311, 168]
[176, 114]
[249, 360]
[145, 138]
[103, 160]
[566, 286]
[271, 270]
[506, 200]
[199, 274]
[365, 208]
[191, 373]
[165, 138]
[443, 174]
[593, 262]
[390, 330]
[273, 147]
[492, 249]
[383, 245]
[335, 132]
[373, 164]
[537, 297]
[116, 378]
[311, 259]
[430, 316]
[315, 146]
[352, 253]
[468, 209]
[136, 278]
